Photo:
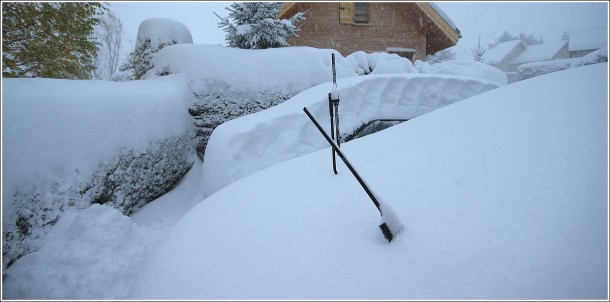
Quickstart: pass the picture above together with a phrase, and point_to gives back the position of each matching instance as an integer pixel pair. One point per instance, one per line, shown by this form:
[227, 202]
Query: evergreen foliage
[49, 39]
[257, 27]
[139, 61]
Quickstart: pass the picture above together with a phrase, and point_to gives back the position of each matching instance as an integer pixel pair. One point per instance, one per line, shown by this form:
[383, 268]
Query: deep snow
[98, 253]
[69, 144]
[52, 124]
[503, 196]
[243, 146]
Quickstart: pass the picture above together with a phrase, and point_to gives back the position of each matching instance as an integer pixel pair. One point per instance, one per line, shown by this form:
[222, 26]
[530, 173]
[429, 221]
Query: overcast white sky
[487, 19]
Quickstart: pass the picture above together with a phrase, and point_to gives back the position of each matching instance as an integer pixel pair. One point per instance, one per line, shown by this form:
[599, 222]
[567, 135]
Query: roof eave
[452, 33]
[285, 8]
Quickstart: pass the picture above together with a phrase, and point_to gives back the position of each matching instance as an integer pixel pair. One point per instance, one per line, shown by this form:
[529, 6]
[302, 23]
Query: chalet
[501, 55]
[508, 56]
[410, 29]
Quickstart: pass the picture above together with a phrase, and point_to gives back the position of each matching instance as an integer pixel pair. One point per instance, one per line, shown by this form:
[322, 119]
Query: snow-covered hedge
[378, 63]
[153, 35]
[70, 144]
[229, 82]
[242, 146]
[534, 69]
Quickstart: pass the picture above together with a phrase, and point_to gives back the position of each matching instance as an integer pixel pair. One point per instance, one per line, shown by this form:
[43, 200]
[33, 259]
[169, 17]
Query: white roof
[539, 52]
[496, 54]
[441, 13]
[588, 38]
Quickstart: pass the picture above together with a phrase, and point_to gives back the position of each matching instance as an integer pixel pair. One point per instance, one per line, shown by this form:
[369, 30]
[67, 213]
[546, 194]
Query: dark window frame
[361, 15]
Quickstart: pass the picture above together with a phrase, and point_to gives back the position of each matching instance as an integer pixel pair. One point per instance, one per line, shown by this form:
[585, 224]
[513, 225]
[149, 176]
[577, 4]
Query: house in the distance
[508, 56]
[410, 29]
[586, 40]
[501, 55]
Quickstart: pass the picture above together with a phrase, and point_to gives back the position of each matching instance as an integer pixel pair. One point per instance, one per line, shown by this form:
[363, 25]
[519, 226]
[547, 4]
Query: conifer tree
[256, 25]
[49, 39]
[478, 52]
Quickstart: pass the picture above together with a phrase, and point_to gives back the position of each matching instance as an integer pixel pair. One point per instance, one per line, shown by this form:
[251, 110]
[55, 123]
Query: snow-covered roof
[440, 19]
[588, 38]
[445, 17]
[496, 54]
[539, 52]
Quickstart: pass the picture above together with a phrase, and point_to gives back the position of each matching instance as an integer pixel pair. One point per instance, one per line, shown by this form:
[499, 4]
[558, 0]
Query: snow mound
[503, 196]
[101, 248]
[286, 70]
[379, 62]
[163, 31]
[242, 146]
[472, 69]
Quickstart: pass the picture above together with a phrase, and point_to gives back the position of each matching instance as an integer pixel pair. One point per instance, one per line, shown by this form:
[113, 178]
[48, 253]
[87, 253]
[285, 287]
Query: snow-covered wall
[69, 144]
[242, 146]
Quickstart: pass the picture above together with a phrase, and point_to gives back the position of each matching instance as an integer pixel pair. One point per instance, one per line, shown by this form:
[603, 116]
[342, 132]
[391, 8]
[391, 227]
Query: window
[372, 127]
[360, 15]
[353, 13]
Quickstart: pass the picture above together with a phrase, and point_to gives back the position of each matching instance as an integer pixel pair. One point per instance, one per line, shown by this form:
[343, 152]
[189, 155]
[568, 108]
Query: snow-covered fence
[71, 144]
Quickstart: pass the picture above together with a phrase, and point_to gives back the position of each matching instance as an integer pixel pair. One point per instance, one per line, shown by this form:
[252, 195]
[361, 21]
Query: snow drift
[503, 195]
[242, 146]
[471, 69]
